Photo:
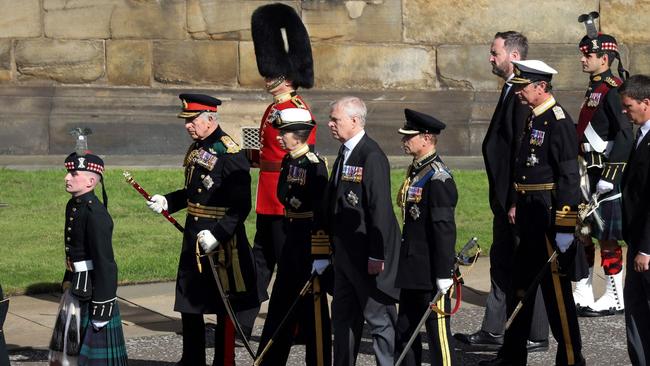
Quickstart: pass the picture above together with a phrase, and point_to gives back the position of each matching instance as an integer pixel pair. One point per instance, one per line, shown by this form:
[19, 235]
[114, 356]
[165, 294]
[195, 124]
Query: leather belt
[208, 212]
[270, 166]
[523, 188]
[299, 215]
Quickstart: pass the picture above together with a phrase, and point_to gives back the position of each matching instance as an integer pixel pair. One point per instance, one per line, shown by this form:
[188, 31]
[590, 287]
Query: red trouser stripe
[228, 343]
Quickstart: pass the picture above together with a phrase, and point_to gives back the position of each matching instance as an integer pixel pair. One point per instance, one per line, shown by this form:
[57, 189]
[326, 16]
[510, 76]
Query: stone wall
[142, 48]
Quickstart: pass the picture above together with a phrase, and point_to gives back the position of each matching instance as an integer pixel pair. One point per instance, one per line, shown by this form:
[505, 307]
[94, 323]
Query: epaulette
[298, 103]
[440, 171]
[312, 157]
[231, 146]
[612, 82]
[559, 113]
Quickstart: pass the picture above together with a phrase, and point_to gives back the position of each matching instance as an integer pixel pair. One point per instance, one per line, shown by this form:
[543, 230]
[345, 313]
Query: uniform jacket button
[196, 218]
[199, 190]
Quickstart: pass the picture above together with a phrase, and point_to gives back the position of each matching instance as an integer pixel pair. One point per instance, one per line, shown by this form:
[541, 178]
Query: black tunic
[88, 234]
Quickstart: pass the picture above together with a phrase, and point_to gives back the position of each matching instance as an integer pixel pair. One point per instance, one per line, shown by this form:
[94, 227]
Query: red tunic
[271, 154]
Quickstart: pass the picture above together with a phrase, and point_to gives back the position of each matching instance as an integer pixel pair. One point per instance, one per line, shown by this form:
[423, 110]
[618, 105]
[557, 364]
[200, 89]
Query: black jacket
[362, 221]
[636, 195]
[499, 147]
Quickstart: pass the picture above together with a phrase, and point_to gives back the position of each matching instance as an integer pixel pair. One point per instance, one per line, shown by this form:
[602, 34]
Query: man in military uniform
[605, 141]
[88, 328]
[217, 196]
[365, 238]
[546, 181]
[301, 189]
[284, 71]
[428, 200]
[499, 148]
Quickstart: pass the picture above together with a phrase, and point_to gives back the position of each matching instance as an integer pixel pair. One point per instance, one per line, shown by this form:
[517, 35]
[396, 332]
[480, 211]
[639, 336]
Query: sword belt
[523, 188]
[299, 215]
[227, 254]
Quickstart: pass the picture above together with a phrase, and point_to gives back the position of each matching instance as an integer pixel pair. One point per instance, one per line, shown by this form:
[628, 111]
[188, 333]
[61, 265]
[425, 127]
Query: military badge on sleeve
[352, 198]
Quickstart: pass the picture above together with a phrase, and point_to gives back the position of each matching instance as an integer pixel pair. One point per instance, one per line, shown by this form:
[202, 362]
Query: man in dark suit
[499, 149]
[635, 96]
[365, 238]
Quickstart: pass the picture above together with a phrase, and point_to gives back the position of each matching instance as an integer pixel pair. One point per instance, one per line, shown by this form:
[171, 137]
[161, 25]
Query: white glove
[99, 325]
[604, 186]
[563, 241]
[444, 284]
[157, 203]
[207, 241]
[319, 266]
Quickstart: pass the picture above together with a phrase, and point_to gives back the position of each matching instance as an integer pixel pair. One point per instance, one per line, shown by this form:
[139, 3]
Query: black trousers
[310, 318]
[504, 241]
[535, 218]
[267, 248]
[412, 305]
[194, 341]
[637, 312]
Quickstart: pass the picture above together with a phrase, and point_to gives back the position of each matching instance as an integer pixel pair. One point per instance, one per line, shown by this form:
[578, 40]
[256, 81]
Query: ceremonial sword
[226, 302]
[471, 243]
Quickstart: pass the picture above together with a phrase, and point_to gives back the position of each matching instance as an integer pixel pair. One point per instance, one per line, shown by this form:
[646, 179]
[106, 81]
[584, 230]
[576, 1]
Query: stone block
[353, 20]
[639, 56]
[476, 21]
[193, 62]
[74, 4]
[374, 67]
[249, 76]
[64, 61]
[163, 19]
[466, 67]
[5, 54]
[129, 62]
[79, 23]
[20, 18]
[624, 19]
[223, 19]
[23, 112]
[566, 60]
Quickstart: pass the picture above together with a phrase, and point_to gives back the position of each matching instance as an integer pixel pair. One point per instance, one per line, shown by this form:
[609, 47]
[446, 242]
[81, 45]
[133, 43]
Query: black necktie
[637, 138]
[339, 164]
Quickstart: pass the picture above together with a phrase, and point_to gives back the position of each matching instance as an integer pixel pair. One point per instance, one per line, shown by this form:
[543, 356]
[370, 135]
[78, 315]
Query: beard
[500, 70]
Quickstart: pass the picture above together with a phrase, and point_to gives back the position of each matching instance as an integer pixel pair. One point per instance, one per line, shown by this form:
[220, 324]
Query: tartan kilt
[611, 213]
[75, 342]
[105, 347]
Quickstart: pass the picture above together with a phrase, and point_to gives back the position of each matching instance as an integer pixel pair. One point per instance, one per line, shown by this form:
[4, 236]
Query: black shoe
[481, 339]
[496, 362]
[588, 312]
[537, 346]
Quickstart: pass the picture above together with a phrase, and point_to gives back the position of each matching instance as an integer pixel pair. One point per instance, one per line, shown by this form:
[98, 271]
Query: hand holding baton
[129, 179]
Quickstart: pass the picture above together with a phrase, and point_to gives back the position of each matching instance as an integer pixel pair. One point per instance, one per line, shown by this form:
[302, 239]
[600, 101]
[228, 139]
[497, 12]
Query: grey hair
[353, 107]
[214, 115]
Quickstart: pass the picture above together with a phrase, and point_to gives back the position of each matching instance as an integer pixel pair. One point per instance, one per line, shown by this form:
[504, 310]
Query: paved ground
[151, 328]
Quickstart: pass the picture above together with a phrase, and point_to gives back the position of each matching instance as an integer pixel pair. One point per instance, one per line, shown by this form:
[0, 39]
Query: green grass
[146, 246]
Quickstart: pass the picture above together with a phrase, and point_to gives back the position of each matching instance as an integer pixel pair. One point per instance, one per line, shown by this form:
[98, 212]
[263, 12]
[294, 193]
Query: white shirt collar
[644, 129]
[352, 143]
[510, 78]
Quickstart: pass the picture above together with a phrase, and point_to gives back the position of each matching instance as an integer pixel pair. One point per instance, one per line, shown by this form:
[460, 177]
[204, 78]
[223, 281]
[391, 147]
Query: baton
[471, 243]
[302, 293]
[129, 179]
[531, 289]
